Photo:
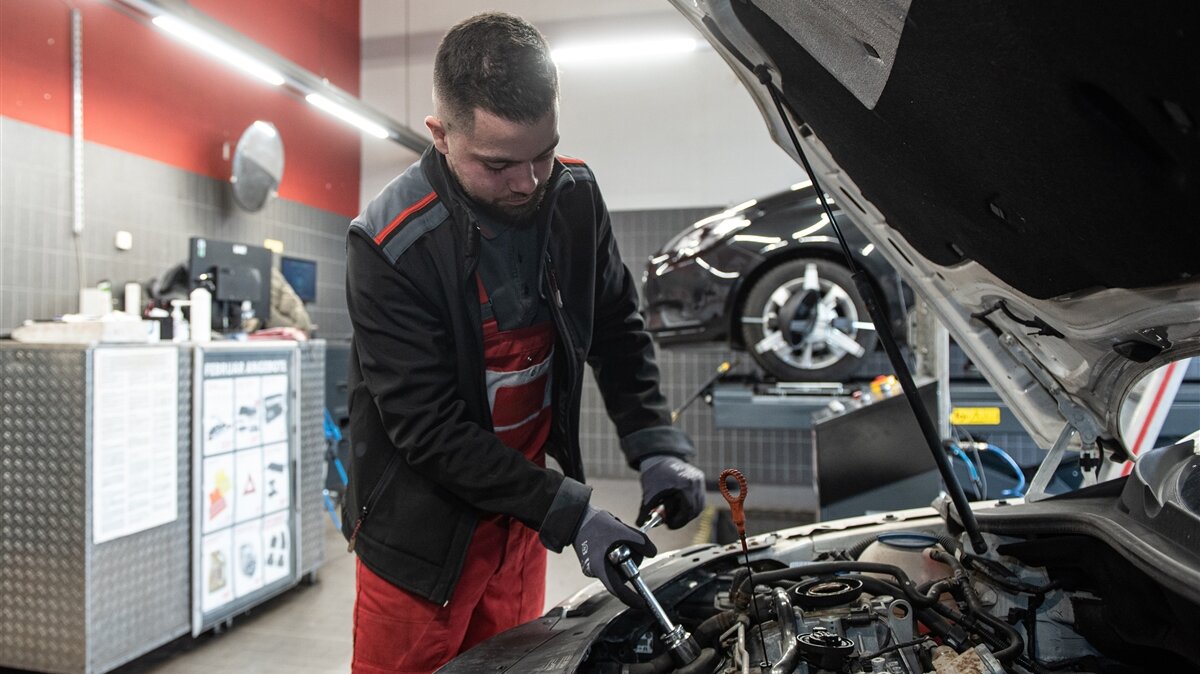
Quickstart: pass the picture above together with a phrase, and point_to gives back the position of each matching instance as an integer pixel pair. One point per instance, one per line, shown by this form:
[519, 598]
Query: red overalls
[503, 582]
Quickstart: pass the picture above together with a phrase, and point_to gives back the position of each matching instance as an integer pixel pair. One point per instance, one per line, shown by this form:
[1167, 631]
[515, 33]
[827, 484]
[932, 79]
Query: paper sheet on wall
[135, 440]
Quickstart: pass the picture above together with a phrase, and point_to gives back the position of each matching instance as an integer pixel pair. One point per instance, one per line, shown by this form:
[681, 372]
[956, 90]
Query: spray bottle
[179, 326]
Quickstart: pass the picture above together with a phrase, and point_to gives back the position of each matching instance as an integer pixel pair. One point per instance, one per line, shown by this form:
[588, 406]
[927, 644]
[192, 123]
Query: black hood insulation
[1057, 144]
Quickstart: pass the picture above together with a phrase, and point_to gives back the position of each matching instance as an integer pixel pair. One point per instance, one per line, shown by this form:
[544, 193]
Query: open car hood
[1033, 171]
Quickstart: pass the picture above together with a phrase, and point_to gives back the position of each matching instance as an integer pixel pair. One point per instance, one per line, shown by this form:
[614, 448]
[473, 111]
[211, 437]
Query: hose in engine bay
[1015, 643]
[906, 587]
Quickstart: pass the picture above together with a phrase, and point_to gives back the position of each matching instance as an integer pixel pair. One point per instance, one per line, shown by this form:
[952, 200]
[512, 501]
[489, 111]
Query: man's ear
[437, 129]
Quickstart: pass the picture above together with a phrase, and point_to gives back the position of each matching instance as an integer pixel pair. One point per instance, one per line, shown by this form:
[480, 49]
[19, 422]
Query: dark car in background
[769, 277]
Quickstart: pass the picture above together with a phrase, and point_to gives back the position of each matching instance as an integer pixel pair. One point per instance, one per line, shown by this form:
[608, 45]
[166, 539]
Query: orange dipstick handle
[735, 502]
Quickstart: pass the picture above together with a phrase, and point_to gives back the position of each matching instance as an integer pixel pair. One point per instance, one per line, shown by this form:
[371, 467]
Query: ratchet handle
[735, 502]
[657, 515]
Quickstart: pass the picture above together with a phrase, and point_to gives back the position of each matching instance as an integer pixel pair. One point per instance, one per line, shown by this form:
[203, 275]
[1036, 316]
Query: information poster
[245, 424]
[135, 440]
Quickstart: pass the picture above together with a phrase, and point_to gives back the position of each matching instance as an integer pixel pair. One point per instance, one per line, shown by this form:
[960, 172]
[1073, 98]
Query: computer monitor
[234, 273]
[301, 274]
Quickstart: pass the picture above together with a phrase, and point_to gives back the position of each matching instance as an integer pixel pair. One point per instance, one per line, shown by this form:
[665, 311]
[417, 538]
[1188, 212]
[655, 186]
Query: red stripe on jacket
[425, 201]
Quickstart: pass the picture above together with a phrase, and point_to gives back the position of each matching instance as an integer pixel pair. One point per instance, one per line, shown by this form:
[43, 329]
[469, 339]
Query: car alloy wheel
[804, 321]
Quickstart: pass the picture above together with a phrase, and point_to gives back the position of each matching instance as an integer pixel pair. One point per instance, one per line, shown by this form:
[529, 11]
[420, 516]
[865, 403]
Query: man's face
[503, 166]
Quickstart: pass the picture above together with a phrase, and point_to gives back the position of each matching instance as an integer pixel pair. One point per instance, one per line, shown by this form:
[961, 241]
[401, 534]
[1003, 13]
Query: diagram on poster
[248, 472]
[216, 572]
[276, 480]
[274, 409]
[218, 492]
[218, 416]
[277, 548]
[248, 399]
[248, 558]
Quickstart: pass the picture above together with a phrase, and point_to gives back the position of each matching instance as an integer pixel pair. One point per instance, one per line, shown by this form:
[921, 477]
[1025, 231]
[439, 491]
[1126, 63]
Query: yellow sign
[975, 416]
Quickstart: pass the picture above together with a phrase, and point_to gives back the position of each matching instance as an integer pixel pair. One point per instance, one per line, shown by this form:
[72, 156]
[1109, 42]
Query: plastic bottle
[105, 287]
[247, 315]
[133, 299]
[201, 315]
[179, 327]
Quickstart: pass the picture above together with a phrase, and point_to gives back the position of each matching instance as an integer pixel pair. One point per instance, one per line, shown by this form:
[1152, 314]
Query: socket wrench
[680, 644]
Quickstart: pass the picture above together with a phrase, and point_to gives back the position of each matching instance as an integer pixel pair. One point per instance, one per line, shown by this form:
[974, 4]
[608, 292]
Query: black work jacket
[425, 464]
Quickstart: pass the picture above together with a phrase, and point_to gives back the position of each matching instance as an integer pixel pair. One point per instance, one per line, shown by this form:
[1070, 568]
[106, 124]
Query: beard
[513, 213]
[517, 214]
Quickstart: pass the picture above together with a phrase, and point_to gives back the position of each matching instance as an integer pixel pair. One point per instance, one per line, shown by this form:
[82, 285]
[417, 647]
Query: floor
[307, 629]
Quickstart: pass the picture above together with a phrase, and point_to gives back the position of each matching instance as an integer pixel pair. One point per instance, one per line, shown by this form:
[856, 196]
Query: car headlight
[703, 235]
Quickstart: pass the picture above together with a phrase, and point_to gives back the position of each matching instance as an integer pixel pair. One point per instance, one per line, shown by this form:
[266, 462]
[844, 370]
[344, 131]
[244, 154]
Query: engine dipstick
[738, 513]
[736, 502]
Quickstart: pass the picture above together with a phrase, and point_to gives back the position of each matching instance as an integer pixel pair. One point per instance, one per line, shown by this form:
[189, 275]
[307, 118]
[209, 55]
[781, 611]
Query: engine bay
[913, 600]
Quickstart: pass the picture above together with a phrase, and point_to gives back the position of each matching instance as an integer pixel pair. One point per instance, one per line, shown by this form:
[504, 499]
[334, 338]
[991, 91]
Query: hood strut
[883, 329]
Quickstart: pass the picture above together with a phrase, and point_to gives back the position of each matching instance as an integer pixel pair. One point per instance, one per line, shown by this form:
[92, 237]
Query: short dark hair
[497, 62]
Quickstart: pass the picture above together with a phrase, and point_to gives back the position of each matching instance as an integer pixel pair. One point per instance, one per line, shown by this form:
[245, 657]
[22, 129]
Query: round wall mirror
[257, 165]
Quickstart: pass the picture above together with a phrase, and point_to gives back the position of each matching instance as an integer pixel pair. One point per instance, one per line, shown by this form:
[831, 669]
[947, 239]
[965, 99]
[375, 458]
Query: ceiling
[623, 117]
[388, 18]
[386, 40]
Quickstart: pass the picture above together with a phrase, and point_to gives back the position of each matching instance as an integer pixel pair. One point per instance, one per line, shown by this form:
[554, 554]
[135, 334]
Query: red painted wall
[146, 93]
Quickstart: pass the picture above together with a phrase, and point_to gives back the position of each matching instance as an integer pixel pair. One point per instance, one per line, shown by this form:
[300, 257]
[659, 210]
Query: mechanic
[479, 282]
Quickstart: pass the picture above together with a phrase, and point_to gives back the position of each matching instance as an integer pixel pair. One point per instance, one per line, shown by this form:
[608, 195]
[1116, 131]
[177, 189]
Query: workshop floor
[307, 629]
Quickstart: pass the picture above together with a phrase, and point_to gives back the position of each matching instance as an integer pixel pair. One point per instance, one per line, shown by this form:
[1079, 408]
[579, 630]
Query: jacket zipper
[561, 323]
[552, 279]
[471, 267]
[366, 509]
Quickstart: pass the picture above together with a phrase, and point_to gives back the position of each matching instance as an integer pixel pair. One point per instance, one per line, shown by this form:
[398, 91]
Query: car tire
[807, 349]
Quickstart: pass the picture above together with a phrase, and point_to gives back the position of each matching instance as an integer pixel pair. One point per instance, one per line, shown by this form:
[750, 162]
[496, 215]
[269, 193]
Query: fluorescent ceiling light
[347, 115]
[631, 50]
[202, 40]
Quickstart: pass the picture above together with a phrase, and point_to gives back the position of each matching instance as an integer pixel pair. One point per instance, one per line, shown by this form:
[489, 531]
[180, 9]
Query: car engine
[900, 602]
[1104, 579]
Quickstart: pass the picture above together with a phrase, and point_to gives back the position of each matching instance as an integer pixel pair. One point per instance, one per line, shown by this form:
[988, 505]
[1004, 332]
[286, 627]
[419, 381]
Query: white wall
[672, 133]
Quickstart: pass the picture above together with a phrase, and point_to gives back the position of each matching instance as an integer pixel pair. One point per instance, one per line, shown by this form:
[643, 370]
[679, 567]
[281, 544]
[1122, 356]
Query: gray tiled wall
[162, 207]
[765, 457]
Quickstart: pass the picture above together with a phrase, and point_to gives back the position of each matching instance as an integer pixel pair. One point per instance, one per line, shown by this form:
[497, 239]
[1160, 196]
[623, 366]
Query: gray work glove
[674, 483]
[599, 532]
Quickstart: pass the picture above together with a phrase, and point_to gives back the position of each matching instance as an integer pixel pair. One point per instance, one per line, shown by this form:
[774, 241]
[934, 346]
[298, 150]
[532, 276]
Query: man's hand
[674, 483]
[599, 532]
